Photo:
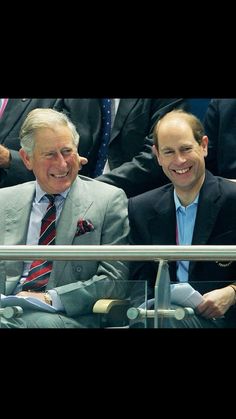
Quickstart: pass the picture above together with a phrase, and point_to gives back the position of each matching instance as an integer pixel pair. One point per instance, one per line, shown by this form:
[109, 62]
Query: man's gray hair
[44, 118]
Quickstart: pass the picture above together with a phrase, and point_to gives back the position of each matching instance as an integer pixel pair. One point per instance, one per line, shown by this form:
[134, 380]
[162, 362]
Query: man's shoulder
[18, 189]
[227, 185]
[15, 197]
[210, 178]
[219, 185]
[152, 194]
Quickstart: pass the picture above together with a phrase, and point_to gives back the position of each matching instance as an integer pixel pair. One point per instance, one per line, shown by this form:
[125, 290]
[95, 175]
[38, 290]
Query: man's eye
[67, 152]
[187, 149]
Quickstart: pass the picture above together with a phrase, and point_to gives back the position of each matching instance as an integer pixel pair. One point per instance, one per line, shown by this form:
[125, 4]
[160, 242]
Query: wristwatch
[48, 298]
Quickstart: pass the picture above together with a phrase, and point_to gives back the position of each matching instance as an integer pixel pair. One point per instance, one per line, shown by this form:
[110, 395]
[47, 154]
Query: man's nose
[61, 159]
[180, 158]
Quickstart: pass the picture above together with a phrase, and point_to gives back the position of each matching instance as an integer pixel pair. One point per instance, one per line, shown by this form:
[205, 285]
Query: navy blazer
[220, 127]
[10, 125]
[153, 222]
[133, 166]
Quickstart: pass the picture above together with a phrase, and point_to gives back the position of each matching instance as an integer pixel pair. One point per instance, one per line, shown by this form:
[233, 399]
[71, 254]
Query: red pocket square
[84, 226]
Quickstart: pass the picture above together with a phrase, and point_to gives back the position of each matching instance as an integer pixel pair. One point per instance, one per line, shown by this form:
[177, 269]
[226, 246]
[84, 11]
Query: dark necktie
[105, 137]
[40, 270]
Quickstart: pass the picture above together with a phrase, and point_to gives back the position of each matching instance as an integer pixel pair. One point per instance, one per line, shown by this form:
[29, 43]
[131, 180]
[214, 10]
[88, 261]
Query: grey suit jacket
[78, 283]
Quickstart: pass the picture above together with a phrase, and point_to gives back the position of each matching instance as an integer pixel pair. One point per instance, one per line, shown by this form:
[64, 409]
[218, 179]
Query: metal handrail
[122, 252]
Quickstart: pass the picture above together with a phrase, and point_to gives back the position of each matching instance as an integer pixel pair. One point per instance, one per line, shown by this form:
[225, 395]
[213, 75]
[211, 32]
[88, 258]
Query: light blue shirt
[186, 217]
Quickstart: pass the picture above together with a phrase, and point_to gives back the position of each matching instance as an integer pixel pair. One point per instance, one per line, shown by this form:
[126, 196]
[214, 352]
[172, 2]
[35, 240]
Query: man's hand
[5, 157]
[216, 303]
[39, 295]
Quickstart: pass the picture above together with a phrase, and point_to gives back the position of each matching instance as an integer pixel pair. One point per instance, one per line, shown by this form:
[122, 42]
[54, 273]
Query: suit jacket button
[78, 269]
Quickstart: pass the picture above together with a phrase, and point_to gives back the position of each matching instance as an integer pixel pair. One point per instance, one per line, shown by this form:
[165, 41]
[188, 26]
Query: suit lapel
[162, 225]
[76, 205]
[125, 107]
[14, 230]
[15, 233]
[209, 206]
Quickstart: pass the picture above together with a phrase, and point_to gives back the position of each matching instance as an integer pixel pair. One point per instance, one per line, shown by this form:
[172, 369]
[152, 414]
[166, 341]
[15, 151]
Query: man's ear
[156, 152]
[205, 145]
[25, 158]
[82, 161]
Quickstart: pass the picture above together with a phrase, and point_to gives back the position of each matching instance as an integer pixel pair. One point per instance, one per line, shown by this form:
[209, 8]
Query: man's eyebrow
[165, 147]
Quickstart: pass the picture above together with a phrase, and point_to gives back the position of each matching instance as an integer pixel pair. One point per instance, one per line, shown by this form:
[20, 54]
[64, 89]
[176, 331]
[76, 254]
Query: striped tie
[40, 270]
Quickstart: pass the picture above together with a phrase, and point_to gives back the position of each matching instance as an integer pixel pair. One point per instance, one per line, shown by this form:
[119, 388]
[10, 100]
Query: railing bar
[145, 253]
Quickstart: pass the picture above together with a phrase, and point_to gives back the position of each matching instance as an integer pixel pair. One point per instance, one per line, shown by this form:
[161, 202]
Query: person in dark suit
[132, 165]
[220, 127]
[195, 208]
[12, 169]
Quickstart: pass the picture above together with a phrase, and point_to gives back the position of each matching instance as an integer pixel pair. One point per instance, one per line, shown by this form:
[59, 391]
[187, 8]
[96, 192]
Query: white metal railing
[105, 252]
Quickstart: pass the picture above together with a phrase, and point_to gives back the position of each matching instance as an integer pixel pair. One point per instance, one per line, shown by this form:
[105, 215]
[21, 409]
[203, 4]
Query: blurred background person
[128, 160]
[220, 127]
[12, 115]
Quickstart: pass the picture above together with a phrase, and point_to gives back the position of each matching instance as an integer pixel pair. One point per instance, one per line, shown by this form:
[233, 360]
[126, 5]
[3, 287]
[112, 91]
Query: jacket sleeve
[17, 172]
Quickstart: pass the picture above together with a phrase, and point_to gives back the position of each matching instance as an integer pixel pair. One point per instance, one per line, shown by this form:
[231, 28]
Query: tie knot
[51, 198]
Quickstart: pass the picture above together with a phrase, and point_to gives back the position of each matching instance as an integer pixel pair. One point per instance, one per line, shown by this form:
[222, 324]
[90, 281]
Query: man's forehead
[177, 143]
[56, 142]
